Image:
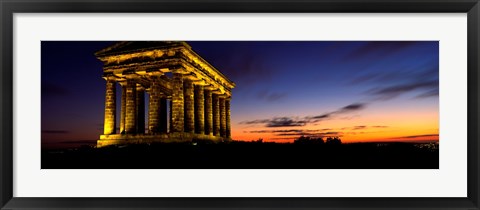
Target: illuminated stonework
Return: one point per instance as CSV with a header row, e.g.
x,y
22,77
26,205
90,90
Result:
x,y
188,98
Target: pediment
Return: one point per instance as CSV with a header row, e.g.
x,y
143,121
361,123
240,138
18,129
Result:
x,y
137,46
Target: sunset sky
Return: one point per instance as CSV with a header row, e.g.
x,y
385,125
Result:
x,y
357,90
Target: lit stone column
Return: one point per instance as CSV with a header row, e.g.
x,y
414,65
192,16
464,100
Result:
x,y
208,112
199,109
163,114
228,132
170,116
223,118
110,107
189,106
216,114
177,103
131,105
154,108
122,109
140,109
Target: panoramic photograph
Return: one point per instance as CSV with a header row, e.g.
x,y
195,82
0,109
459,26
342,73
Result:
x,y
240,104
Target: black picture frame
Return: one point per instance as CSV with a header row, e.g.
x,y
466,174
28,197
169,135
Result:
x,y
9,7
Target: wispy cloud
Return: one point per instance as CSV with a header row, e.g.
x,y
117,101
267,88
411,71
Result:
x,y
283,131
363,127
302,121
379,49
428,94
270,97
379,126
352,107
416,136
300,132
389,92
346,109
320,117
278,122
360,127
310,134
421,79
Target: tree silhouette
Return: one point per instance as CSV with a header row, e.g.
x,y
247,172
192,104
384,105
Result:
x,y
308,140
333,141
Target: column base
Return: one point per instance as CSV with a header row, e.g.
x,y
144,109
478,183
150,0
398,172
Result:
x,y
125,139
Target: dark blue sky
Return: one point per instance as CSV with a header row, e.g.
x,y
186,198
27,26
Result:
x,y
283,89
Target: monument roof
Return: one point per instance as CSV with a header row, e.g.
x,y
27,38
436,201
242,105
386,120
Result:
x,y
129,47
136,46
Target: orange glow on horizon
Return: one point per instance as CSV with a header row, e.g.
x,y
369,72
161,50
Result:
x,y
409,124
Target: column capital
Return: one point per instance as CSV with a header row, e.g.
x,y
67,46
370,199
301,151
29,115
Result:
x,y
155,73
179,71
140,87
201,82
218,91
221,95
192,76
154,76
131,76
209,87
110,78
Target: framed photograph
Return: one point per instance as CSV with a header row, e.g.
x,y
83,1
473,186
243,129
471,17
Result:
x,y
239,105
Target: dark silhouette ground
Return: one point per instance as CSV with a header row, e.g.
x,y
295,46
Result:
x,y
247,155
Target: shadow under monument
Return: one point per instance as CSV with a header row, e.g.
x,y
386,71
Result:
x,y
247,155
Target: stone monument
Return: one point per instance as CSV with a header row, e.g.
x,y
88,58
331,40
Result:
x,y
188,98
